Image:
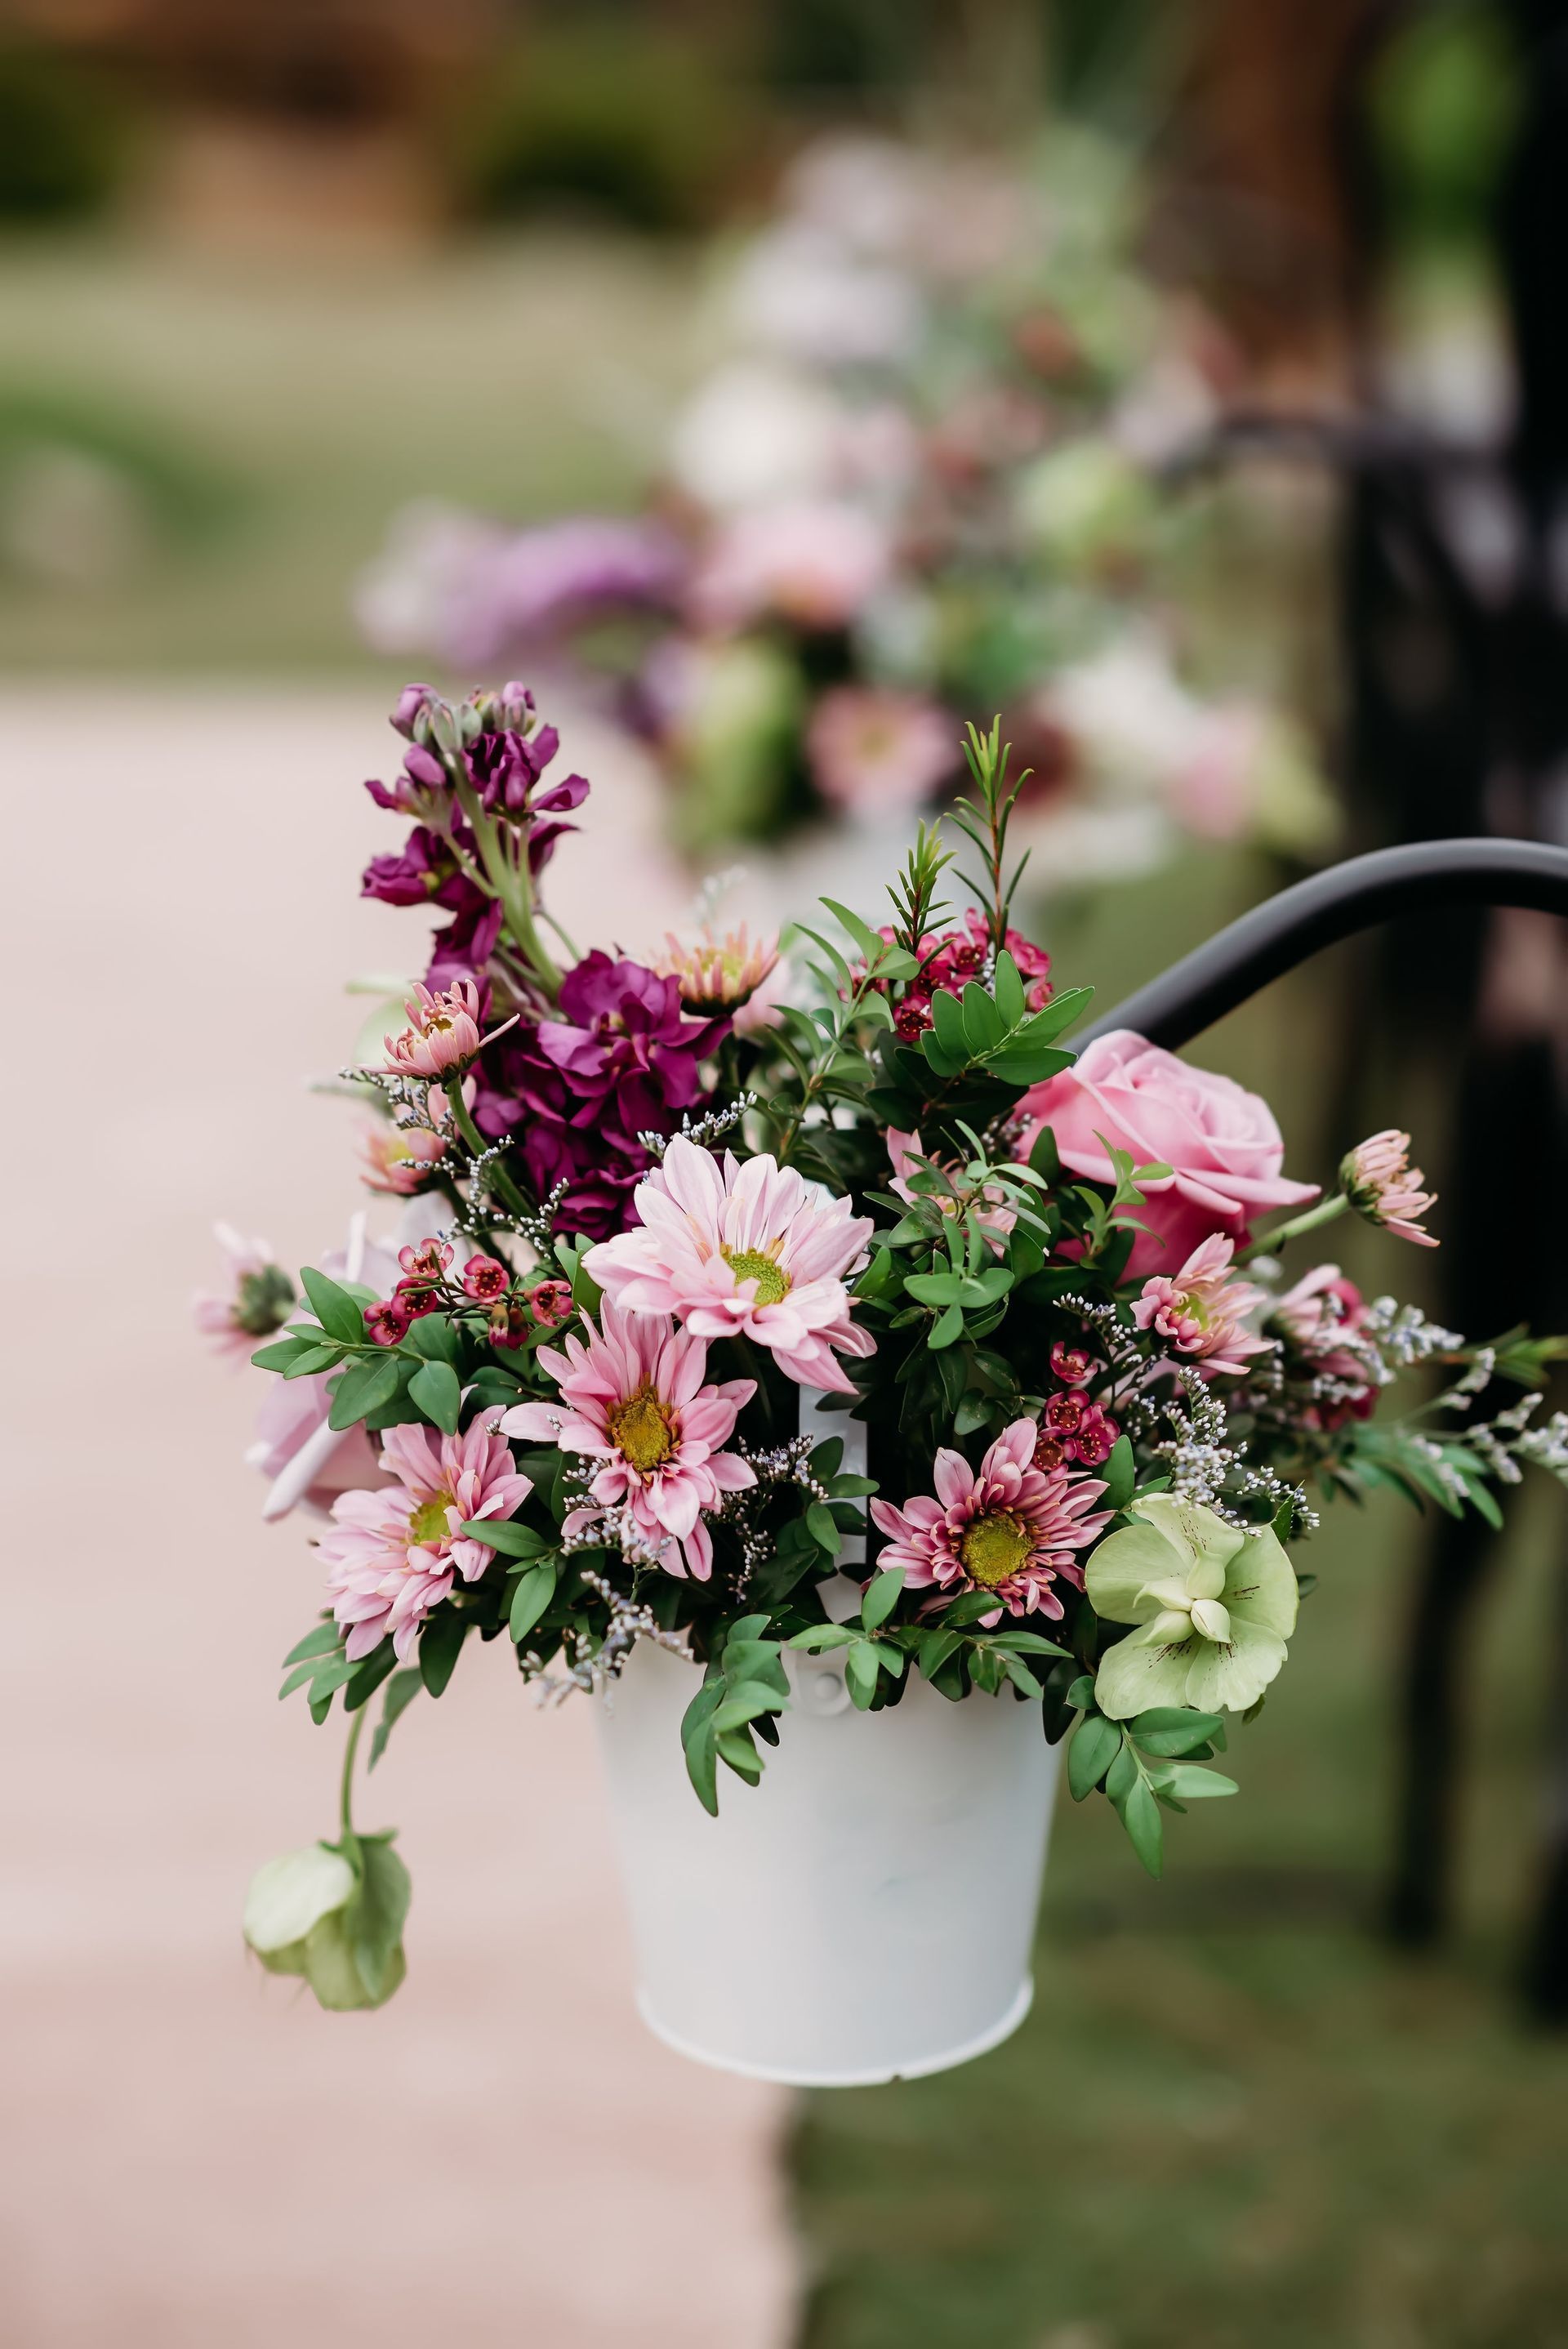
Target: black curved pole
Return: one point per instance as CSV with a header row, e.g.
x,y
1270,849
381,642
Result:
x,y
1284,931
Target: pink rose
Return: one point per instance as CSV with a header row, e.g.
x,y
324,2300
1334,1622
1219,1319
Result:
x,y
1219,1141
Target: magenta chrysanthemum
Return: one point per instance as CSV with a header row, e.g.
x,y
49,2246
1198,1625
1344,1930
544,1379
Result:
x,y
1007,1528
633,1396
748,1250
393,1554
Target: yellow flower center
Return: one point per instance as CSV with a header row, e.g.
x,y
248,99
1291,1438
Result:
x,y
641,1429
994,1548
429,1522
751,1264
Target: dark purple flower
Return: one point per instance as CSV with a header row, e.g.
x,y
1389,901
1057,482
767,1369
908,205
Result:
x,y
622,1059
421,789
464,946
425,873
411,702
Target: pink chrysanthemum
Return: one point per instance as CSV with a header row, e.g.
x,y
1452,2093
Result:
x,y
256,1298
1201,1308
443,1035
1007,1528
398,1159
633,1396
748,1250
1380,1184
393,1554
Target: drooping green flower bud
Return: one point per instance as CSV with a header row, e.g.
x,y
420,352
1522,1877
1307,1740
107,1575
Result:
x,y
1214,1605
334,1916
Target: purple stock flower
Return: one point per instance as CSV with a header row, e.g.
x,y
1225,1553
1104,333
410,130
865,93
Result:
x,y
411,702
424,873
575,1091
504,753
463,947
421,789
507,768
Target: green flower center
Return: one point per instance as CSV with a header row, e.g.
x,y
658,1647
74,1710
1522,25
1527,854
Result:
x,y
641,1429
429,1522
751,1264
994,1548
264,1301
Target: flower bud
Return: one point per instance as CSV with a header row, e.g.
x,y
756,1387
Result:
x,y
290,1895
411,705
306,1914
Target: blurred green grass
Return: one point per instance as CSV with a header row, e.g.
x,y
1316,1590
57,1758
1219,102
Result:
x,y
255,422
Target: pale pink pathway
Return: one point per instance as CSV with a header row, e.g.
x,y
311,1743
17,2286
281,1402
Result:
x,y
191,2156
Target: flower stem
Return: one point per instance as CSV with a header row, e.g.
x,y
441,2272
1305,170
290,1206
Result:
x,y
1325,1211
345,1801
508,880
476,1145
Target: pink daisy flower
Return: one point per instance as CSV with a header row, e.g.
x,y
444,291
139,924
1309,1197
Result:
x,y
1005,1527
750,1251
393,1554
633,1396
1201,1308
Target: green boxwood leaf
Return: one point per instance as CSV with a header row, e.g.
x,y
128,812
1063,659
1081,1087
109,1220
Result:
x,y
1174,1729
1096,1743
861,1673
434,1337
702,1766
440,1644
336,1311
1190,1782
401,1691
435,1391
1120,1472
948,1026
363,1389
319,1643
983,1026
1009,990
533,1596
946,1329
881,1598
368,1674
1140,1817
511,1540
823,1531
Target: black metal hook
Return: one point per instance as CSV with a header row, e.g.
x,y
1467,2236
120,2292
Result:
x,y
1278,935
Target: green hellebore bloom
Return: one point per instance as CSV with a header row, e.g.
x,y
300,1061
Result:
x,y
289,1895
1214,1608
314,1913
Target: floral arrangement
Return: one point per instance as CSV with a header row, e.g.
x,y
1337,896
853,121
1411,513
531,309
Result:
x,y
652,1234
922,475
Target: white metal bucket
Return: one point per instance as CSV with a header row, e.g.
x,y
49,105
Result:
x,y
867,1912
